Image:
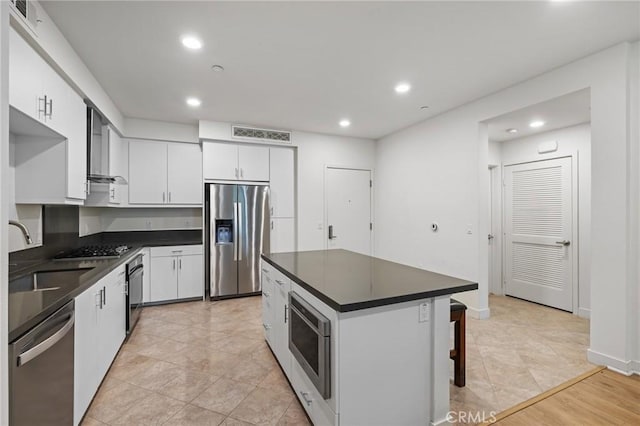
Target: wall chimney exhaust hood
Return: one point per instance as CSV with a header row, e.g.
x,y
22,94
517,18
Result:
x,y
98,151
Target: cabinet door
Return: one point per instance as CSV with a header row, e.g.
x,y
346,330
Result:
x,y
146,281
184,173
147,172
190,279
163,283
86,377
281,287
25,76
57,115
220,161
283,235
112,320
76,133
281,182
267,309
253,162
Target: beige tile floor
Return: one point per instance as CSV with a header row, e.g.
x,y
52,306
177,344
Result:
x,y
206,363
523,350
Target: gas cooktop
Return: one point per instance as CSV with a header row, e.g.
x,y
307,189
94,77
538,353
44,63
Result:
x,y
94,253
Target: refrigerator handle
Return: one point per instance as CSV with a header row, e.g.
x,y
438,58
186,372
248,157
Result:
x,y
235,231
240,230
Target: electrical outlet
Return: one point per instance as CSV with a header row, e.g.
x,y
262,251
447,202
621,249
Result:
x,y
425,312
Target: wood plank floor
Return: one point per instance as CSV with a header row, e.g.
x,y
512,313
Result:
x,y
603,398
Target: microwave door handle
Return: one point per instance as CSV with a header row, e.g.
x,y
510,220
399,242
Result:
x,y
38,350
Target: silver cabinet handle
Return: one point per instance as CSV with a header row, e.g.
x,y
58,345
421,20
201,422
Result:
x,y
169,196
176,251
286,313
265,270
266,326
104,296
174,264
113,193
98,299
34,352
50,108
180,263
44,103
266,294
241,172
564,242
271,211
305,396
280,282
163,197
236,172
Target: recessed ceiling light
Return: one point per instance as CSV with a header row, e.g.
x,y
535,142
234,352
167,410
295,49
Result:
x,y
345,123
217,68
191,42
536,124
193,102
512,130
402,87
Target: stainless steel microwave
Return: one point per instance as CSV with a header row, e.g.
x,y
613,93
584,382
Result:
x,y
310,342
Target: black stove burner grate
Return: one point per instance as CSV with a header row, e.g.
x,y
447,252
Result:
x,y
93,252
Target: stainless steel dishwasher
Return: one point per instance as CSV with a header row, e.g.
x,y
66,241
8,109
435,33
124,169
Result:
x,y
41,372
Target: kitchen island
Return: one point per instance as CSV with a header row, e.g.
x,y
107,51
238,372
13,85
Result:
x,y
362,340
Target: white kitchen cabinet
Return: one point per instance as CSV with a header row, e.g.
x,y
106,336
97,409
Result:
x,y
49,118
283,235
184,173
147,172
281,182
190,280
253,162
176,272
164,277
146,282
225,161
165,173
100,314
275,313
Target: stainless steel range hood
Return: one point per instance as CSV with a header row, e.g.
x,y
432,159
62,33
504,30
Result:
x,y
98,151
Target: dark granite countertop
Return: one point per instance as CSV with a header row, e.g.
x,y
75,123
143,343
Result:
x,y
28,308
348,281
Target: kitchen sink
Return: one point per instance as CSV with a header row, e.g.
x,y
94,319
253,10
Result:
x,y
46,280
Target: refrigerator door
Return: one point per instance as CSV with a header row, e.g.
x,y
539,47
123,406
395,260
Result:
x,y
223,237
253,223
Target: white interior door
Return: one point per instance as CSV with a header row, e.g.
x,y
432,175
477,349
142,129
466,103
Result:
x,y
348,195
538,232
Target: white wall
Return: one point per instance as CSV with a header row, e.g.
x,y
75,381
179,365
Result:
x,y
572,141
634,131
436,170
314,152
28,214
96,219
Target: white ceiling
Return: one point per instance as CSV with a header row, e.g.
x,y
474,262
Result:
x,y
306,65
564,111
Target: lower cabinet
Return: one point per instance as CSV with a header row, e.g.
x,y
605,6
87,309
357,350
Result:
x,y
99,331
275,303
176,273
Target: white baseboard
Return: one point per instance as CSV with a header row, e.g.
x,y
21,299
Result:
x,y
478,313
584,313
613,363
635,367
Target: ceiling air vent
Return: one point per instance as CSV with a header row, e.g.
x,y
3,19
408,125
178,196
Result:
x,y
21,5
251,133
25,10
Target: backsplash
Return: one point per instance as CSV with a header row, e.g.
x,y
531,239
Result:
x,y
94,220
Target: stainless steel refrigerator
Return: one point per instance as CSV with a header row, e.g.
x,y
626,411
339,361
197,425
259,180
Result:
x,y
237,233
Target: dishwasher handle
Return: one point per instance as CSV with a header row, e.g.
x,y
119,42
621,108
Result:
x,y
38,350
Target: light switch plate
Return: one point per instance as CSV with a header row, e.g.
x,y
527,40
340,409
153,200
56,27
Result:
x,y
425,312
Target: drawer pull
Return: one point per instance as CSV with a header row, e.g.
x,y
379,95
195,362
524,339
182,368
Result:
x,y
266,326
305,397
280,282
265,270
266,294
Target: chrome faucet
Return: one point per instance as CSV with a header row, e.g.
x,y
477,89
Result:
x,y
24,229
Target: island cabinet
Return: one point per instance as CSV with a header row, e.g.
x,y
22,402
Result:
x,y
99,332
369,338
275,311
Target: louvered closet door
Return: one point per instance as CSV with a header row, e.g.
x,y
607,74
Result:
x,y
538,232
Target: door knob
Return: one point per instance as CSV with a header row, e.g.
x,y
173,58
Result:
x,y
331,235
564,242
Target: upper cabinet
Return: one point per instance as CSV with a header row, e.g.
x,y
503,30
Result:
x,y
224,161
281,164
48,121
165,173
113,158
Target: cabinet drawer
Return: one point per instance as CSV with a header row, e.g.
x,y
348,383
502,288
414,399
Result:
x,y
176,250
316,407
